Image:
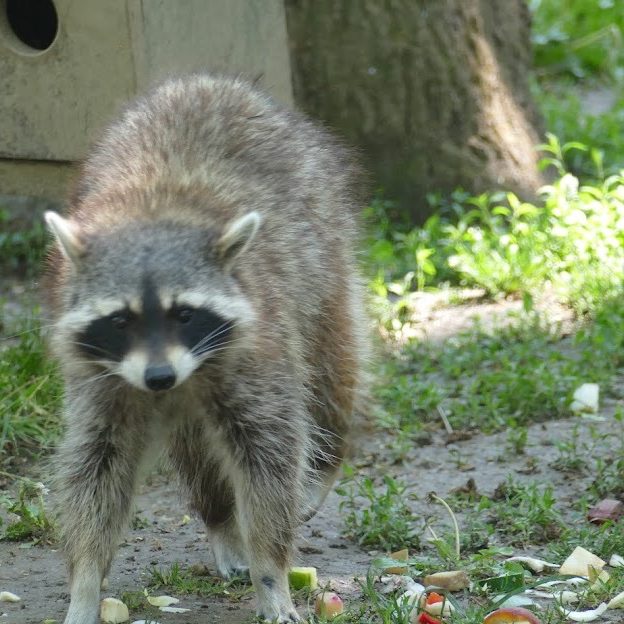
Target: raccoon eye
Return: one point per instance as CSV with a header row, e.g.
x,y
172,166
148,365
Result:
x,y
183,315
120,321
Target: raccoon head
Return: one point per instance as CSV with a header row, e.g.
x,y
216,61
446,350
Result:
x,y
151,302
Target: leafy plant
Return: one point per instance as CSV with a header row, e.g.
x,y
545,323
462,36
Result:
x,y
572,242
580,38
31,521
524,514
377,519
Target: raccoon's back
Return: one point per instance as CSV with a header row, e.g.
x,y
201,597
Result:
x,y
219,145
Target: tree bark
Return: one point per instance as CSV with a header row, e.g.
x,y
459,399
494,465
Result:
x,y
434,92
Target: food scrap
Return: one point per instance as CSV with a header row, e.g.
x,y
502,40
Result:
x,y
454,580
113,611
303,578
581,562
586,398
328,605
162,601
7,596
511,615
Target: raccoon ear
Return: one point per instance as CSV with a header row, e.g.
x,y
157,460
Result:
x,y
237,236
67,235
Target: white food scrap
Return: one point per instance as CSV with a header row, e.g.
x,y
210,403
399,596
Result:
x,y
616,561
580,561
162,601
585,616
537,565
617,602
586,398
7,596
113,611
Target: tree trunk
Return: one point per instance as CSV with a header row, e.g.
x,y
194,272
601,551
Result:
x,y
434,92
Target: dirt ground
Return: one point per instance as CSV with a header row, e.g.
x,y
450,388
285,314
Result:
x,y
38,575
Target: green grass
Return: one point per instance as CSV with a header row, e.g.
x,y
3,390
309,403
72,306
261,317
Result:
x,y
489,379
374,518
523,515
31,392
566,117
598,455
186,581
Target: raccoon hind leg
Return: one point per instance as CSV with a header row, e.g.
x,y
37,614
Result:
x,y
336,360
212,499
215,505
228,550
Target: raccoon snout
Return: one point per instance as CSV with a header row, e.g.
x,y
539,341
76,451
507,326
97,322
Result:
x,y
161,377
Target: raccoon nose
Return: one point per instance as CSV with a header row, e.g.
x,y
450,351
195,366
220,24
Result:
x,y
161,377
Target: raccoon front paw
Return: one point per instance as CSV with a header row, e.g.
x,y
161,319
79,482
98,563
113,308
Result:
x,y
228,559
237,571
282,618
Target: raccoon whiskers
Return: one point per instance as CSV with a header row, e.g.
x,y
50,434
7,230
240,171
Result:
x,y
93,347
210,344
225,327
96,378
208,350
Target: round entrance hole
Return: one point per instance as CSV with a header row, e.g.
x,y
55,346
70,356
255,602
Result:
x,y
34,23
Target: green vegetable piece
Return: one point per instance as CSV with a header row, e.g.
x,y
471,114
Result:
x,y
303,578
502,584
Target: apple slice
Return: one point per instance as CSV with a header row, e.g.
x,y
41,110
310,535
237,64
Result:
x,y
579,563
113,611
511,615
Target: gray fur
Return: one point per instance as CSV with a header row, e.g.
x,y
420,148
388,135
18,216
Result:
x,y
257,433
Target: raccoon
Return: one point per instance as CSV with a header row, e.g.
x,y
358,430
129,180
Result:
x,y
205,302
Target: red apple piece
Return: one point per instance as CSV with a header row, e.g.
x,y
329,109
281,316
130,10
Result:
x,y
511,615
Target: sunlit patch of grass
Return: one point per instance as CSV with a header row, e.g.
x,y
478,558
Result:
x,y
510,376
578,38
